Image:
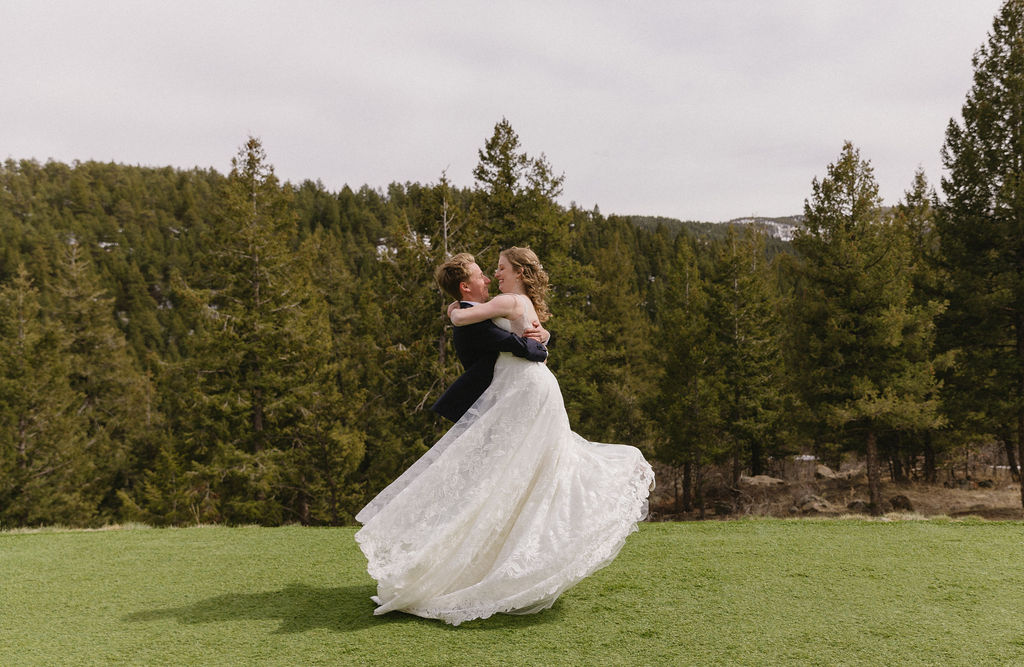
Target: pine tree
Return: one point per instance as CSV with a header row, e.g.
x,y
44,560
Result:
x,y
858,336
500,173
618,360
981,227
687,411
332,474
519,194
574,320
117,398
269,418
914,220
44,458
402,322
743,313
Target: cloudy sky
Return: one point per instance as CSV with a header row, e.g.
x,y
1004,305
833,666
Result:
x,y
693,109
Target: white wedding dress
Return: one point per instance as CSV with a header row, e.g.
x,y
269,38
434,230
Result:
x,y
508,510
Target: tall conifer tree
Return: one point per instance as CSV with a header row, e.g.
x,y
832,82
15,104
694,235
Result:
x,y
45,464
743,317
117,399
687,412
619,363
270,417
858,335
981,226
914,219
519,194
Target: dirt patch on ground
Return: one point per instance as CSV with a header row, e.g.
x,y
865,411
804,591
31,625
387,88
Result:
x,y
817,491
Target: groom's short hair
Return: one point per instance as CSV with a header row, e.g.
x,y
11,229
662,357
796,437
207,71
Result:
x,y
453,272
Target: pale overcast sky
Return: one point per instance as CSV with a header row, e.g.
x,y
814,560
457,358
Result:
x,y
693,109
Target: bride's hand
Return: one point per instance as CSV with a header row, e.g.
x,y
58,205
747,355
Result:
x,y
452,306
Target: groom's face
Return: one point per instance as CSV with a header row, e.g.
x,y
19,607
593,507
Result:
x,y
475,287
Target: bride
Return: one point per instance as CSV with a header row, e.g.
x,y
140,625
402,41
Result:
x,y
510,507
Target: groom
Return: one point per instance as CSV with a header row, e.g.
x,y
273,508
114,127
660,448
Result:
x,y
478,345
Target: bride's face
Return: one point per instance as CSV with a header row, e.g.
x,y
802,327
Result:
x,y
509,280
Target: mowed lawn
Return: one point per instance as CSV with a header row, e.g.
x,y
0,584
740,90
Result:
x,y
742,592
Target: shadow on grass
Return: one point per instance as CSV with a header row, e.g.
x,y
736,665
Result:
x,y
299,608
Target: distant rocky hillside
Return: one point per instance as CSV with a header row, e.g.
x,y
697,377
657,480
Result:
x,y
781,229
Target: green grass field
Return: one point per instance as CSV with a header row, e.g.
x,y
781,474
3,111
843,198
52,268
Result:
x,y
746,592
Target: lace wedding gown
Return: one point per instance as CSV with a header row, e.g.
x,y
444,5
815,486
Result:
x,y
508,510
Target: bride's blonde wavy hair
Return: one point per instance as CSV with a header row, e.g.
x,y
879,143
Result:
x,y
534,277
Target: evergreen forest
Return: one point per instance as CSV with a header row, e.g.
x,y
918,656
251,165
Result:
x,y
184,346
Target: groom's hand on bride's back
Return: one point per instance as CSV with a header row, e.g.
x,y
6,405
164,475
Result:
x,y
538,333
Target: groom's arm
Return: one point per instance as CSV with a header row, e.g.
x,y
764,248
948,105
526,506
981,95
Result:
x,y
492,337
489,336
539,334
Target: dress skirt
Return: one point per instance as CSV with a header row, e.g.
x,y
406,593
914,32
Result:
x,y
506,511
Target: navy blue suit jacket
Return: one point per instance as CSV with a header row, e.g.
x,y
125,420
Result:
x,y
477,346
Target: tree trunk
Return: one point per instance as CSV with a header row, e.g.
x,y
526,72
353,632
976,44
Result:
x,y
676,481
22,443
756,458
1020,451
874,475
303,502
442,336
929,459
257,420
1020,410
1011,459
901,467
699,492
688,486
